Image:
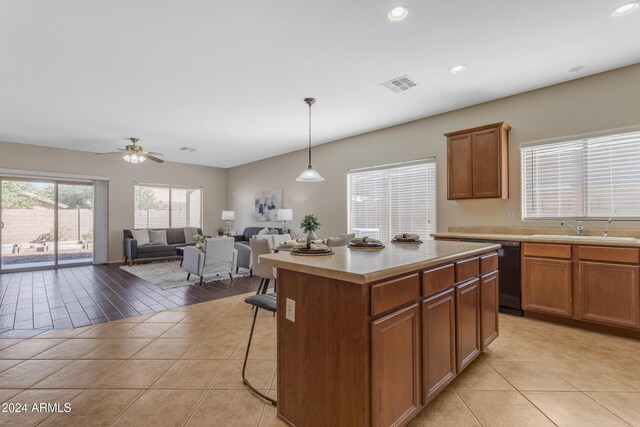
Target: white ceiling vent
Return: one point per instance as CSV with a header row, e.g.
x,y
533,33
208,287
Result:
x,y
400,84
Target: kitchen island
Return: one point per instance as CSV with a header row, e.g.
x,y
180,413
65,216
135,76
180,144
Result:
x,y
370,338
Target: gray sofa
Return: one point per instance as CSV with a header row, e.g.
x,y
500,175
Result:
x,y
133,252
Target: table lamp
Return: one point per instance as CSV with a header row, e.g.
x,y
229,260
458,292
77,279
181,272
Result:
x,y
285,215
228,216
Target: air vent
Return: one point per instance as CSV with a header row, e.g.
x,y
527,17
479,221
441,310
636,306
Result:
x,y
191,150
400,84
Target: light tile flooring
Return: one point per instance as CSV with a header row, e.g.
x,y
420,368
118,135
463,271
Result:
x,y
182,367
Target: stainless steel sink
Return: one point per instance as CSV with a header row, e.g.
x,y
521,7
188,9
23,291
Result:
x,y
583,237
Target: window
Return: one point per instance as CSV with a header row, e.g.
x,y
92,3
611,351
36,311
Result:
x,y
163,207
389,200
590,178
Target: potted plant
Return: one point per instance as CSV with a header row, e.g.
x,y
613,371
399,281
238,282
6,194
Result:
x,y
309,225
199,238
220,231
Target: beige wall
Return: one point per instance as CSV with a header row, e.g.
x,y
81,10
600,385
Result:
x,y
605,101
122,174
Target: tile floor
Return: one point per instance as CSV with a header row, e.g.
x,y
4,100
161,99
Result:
x,y
182,367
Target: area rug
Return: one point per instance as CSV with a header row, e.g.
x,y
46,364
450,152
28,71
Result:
x,y
169,275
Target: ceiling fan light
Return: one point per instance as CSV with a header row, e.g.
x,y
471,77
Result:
x,y
133,158
310,175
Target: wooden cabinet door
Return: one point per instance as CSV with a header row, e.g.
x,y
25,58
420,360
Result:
x,y
467,323
489,305
486,163
546,286
395,367
609,293
459,158
438,343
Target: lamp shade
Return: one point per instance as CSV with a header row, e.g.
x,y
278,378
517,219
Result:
x,y
310,175
285,214
228,215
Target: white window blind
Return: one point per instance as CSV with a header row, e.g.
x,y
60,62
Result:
x,y
391,200
161,207
590,178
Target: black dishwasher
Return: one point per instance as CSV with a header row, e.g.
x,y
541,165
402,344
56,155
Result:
x,y
509,275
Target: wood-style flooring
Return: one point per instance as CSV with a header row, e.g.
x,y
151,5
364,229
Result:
x,y
80,296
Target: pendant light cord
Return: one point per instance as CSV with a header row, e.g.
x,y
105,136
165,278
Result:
x,y
310,135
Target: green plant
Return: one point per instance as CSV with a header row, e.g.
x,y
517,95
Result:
x,y
310,223
220,231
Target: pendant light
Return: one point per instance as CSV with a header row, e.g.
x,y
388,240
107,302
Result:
x,y
310,174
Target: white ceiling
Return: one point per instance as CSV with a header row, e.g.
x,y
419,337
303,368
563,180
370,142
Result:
x,y
228,78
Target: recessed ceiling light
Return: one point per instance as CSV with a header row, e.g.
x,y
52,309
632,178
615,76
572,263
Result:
x,y
625,9
398,13
457,69
577,68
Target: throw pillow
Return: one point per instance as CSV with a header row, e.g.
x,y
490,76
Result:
x,y
347,236
333,242
158,237
263,231
279,239
142,236
273,231
189,232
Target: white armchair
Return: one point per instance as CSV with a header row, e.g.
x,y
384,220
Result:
x,y
217,256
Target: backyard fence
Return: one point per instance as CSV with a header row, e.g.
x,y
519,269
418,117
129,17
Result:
x,y
25,225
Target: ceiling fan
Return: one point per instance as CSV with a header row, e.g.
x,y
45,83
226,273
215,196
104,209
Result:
x,y
134,153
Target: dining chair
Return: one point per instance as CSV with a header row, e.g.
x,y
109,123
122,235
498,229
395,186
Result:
x,y
264,272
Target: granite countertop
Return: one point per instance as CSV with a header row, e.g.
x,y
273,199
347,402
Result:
x,y
529,238
369,266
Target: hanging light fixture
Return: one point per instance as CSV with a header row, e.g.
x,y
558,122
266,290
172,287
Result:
x,y
310,174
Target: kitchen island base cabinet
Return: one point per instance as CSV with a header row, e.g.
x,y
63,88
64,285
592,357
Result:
x,y
489,307
439,343
395,367
360,346
467,323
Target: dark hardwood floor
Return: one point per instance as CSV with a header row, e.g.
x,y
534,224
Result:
x,y
80,296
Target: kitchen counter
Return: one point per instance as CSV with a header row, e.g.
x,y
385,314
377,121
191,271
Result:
x,y
363,267
370,338
528,238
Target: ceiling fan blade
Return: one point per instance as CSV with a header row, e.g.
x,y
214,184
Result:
x,y
150,157
154,153
113,152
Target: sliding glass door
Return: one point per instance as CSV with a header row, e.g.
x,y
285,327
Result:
x,y
45,224
75,223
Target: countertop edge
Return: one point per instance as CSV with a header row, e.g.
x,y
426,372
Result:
x,y
368,278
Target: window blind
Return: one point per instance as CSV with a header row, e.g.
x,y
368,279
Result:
x,y
391,200
590,178
161,207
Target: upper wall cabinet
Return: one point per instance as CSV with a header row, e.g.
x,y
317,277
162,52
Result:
x,y
478,162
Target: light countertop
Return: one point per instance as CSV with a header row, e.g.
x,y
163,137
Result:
x,y
369,266
527,238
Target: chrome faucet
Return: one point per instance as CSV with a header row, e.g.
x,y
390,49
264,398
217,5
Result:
x,y
579,229
606,230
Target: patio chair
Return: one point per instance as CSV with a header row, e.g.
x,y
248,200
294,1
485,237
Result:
x,y
216,257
